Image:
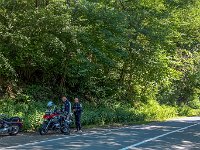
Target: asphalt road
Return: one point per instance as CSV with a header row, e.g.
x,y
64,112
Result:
x,y
181,134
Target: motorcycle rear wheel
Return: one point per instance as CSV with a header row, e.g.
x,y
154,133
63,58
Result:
x,y
14,130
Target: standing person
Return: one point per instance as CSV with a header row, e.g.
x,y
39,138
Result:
x,y
77,109
67,105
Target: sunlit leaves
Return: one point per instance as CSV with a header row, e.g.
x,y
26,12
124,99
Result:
x,y
117,48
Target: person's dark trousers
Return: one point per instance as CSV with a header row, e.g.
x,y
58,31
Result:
x,y
78,121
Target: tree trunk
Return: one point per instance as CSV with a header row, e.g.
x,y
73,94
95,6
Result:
x,y
36,3
47,2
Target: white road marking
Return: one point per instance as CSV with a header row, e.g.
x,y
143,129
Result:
x,y
92,133
154,138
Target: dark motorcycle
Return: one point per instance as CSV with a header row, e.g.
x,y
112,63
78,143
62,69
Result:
x,y
10,126
55,121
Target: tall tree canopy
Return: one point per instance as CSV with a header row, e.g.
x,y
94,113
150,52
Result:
x,y
127,50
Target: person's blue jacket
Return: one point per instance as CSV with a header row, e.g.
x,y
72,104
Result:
x,y
67,106
78,108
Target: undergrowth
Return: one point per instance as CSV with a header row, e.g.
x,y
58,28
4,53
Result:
x,y
31,112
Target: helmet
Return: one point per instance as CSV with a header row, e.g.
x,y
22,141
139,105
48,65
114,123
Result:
x,y
50,104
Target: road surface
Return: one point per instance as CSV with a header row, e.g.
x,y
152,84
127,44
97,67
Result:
x,y
183,134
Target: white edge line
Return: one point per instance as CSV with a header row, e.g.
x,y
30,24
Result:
x,y
104,130
154,138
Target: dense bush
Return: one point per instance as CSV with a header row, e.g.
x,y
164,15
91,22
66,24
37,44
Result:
x,y
32,113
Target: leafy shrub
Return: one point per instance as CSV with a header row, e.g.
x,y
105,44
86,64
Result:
x,y
194,102
154,111
32,112
39,93
185,110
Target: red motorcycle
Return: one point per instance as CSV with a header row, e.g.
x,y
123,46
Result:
x,y
55,121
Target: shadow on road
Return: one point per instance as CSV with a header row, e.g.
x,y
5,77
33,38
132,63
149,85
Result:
x,y
122,137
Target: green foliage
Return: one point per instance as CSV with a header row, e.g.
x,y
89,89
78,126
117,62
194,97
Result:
x,y
39,93
133,52
32,113
185,110
194,101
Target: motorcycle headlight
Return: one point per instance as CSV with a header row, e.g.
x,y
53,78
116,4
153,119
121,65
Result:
x,y
45,119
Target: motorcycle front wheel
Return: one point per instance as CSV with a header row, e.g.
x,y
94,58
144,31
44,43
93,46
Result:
x,y
65,129
43,130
